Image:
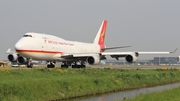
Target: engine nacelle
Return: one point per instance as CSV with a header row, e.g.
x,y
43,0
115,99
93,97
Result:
x,y
22,60
131,57
12,57
93,59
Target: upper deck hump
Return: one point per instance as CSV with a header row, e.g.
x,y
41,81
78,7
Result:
x,y
47,36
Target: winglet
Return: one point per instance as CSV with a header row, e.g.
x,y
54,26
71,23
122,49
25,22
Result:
x,y
174,50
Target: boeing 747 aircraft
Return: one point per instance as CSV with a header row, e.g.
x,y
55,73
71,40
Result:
x,y
36,46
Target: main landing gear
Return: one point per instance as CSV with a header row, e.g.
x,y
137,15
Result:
x,y
65,64
79,64
51,64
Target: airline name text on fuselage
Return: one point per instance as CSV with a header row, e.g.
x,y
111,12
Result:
x,y
58,43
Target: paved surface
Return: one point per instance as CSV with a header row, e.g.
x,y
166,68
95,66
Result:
x,y
110,66
136,66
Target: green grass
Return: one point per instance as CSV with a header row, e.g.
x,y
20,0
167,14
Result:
x,y
48,84
168,95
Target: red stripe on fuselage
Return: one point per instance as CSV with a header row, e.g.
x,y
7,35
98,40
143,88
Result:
x,y
38,51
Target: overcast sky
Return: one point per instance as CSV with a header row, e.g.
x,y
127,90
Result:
x,y
146,25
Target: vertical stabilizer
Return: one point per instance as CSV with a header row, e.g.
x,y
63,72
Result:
x,y
99,39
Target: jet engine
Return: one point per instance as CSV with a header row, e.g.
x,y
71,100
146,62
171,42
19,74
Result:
x,y
132,57
12,57
22,60
93,59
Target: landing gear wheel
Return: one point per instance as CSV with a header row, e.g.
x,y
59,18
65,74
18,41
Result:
x,y
30,65
65,64
78,66
83,66
51,64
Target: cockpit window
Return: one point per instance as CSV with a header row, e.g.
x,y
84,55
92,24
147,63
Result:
x,y
27,36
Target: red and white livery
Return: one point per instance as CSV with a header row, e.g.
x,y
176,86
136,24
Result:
x,y
36,46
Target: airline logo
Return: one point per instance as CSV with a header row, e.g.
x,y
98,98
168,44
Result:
x,y
102,35
102,38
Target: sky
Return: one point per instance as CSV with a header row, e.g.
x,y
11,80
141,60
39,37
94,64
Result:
x,y
145,25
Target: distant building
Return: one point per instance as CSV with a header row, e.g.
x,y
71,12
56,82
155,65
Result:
x,y
155,61
166,60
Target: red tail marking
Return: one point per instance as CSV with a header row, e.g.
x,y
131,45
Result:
x,y
102,35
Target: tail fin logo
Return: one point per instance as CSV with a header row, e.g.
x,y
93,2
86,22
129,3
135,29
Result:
x,y
102,38
102,35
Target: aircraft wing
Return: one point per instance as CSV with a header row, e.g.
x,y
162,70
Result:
x,y
103,54
158,52
76,55
123,54
119,54
129,56
114,47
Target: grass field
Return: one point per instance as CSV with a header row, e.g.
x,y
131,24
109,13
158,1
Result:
x,y
50,84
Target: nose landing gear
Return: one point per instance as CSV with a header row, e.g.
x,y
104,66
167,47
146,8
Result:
x,y
29,63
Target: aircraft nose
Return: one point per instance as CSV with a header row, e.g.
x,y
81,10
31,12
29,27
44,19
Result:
x,y
18,46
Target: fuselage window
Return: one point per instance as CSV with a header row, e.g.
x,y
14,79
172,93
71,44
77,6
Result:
x,y
27,36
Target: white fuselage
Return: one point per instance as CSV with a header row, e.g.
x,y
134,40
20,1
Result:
x,y
48,47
